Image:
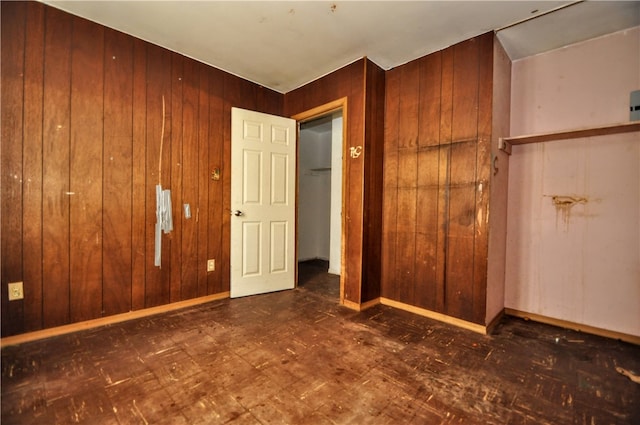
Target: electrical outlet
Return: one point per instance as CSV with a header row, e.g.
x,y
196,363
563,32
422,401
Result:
x,y
15,291
211,265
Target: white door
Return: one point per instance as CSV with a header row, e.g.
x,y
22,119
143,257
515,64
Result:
x,y
263,165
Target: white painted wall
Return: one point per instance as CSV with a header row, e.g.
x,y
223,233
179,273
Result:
x,y
320,195
578,263
335,248
314,195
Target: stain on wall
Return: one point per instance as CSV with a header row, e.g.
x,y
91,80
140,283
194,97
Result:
x,y
563,205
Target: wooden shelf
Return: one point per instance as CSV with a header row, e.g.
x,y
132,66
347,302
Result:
x,y
505,143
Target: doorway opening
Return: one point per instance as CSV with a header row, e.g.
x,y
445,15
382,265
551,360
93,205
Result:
x,y
319,201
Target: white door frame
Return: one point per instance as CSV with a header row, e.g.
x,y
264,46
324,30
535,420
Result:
x,y
310,115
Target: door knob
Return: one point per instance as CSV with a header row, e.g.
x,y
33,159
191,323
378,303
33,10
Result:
x,y
238,213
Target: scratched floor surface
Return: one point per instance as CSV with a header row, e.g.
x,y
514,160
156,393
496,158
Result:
x,y
296,357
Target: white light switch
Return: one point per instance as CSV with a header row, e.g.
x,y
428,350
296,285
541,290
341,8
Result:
x,y
187,211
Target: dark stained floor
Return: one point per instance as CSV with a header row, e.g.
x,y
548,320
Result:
x,y
297,357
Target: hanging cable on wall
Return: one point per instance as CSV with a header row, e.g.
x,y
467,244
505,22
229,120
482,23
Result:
x,y
164,216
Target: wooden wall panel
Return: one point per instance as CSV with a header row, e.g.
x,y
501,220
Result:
x,y
158,170
444,176
190,161
353,188
139,199
460,244
85,170
427,248
436,112
81,148
460,239
118,175
177,74
55,167
408,129
204,148
216,206
430,99
426,233
373,182
464,124
438,180
12,68
390,186
484,174
32,168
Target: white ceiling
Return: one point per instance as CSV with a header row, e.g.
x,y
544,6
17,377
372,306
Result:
x,y
283,45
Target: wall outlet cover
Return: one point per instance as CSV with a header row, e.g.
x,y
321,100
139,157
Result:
x,y
16,291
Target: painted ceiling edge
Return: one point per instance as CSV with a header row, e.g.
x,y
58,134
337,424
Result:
x,y
532,17
624,30
325,74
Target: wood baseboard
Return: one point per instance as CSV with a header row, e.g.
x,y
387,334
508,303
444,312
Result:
x,y
633,339
360,307
109,320
436,316
369,304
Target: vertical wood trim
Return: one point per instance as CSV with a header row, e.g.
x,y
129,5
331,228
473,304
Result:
x,y
12,68
138,183
32,167
86,170
118,175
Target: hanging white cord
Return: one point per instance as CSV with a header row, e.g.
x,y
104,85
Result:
x,y
164,219
161,145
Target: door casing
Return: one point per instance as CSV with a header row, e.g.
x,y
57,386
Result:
x,y
310,115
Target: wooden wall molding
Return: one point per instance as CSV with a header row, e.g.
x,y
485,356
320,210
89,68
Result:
x,y
109,320
484,330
